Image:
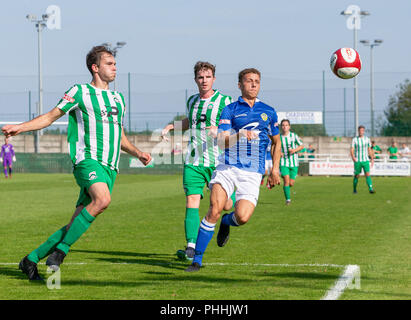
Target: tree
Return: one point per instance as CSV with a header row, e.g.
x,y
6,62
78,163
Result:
x,y
398,114
309,129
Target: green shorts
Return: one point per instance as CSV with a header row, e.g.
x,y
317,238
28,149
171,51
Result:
x,y
289,171
358,166
195,178
88,172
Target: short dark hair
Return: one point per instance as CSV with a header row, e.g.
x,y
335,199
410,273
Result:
x,y
94,56
242,73
284,120
200,65
361,126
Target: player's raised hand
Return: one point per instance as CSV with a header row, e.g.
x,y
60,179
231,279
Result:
x,y
11,130
165,131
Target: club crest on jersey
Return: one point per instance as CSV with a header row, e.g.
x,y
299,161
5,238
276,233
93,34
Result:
x,y
92,175
68,98
210,106
264,116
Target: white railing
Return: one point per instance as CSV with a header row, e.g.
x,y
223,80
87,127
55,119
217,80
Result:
x,y
333,157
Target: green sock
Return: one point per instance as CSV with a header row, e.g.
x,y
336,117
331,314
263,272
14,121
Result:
x,y
355,182
287,192
80,225
47,247
369,182
233,199
192,224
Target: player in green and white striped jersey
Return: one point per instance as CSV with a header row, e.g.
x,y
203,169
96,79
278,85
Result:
x,y
361,153
291,144
203,114
95,136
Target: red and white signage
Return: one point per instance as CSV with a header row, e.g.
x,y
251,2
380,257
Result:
x,y
324,168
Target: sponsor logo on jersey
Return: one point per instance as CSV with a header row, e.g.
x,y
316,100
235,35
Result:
x,y
68,98
92,175
250,126
264,116
202,118
241,115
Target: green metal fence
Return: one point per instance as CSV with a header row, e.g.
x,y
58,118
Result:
x,y
61,163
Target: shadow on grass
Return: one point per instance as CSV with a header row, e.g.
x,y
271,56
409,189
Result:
x,y
127,257
14,272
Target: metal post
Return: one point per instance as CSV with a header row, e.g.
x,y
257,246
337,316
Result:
x,y
29,105
371,91
129,104
345,112
39,26
356,122
324,100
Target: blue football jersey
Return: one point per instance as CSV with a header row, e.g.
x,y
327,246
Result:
x,y
261,118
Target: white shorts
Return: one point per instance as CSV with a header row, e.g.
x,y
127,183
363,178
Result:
x,y
247,184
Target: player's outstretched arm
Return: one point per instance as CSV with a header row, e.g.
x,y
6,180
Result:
x,y
37,123
132,150
274,177
169,127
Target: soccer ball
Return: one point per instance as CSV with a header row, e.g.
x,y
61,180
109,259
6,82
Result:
x,y
345,63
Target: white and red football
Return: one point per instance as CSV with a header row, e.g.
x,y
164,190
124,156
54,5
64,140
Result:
x,y
345,63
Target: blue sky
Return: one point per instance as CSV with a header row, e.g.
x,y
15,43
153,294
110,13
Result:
x,y
167,37
291,39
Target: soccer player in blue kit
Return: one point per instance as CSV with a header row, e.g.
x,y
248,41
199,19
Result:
x,y
245,129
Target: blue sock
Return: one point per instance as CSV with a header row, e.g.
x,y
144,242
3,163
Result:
x,y
230,220
205,233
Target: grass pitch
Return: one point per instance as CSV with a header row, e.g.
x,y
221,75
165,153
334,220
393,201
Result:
x,y
294,252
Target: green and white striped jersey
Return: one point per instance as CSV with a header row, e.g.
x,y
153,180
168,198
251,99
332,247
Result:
x,y
201,113
361,146
95,124
291,141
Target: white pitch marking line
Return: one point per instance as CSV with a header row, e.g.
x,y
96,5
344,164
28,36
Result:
x,y
351,272
343,282
206,264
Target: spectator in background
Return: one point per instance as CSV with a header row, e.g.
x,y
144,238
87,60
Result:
x,y
302,155
376,148
310,151
7,157
404,151
393,151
